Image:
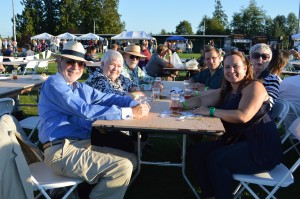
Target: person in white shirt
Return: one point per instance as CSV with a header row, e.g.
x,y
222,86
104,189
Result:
x,y
288,90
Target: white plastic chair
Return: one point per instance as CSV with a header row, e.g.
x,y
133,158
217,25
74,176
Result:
x,y
43,65
48,54
278,177
31,123
36,56
44,54
30,65
279,111
43,178
6,106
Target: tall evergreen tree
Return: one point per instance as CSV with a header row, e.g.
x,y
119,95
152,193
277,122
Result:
x,y
69,16
219,14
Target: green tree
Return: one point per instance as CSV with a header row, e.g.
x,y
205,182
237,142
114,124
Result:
x,y
110,19
210,26
30,21
202,26
250,21
279,23
292,24
163,32
51,16
70,18
74,16
184,28
219,14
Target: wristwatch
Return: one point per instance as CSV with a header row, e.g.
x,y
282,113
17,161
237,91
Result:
x,y
212,111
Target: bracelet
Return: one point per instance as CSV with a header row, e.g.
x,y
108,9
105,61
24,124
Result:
x,y
134,95
184,104
206,88
196,93
212,111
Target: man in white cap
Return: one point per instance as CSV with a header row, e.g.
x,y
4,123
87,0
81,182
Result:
x,y
67,109
131,70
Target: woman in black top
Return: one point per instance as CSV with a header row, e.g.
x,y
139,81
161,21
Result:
x,y
251,143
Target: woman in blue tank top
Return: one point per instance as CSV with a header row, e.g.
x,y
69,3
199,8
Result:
x,y
251,143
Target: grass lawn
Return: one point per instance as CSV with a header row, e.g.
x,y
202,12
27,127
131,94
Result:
x,y
157,182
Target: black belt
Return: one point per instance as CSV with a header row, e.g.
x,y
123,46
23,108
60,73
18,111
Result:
x,y
58,141
53,143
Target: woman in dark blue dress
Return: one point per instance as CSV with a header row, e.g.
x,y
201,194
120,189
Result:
x,y
251,143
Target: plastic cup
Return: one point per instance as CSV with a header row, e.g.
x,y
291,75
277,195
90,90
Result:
x,y
155,94
175,102
14,74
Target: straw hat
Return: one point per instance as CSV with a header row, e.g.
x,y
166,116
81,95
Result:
x,y
73,50
133,49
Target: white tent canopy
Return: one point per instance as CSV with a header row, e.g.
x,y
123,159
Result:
x,y
132,35
67,36
42,36
90,36
296,36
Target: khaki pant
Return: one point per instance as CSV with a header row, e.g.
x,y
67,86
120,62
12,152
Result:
x,y
110,169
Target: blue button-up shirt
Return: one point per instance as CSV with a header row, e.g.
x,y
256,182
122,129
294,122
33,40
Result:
x,y
68,111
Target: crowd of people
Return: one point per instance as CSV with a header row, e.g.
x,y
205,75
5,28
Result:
x,y
239,90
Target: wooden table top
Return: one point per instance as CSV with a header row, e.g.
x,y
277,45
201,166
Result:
x,y
153,122
23,84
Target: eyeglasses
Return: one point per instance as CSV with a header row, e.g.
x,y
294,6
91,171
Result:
x,y
72,62
132,57
264,56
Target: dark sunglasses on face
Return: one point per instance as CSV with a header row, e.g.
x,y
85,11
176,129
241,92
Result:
x,y
264,56
72,62
132,57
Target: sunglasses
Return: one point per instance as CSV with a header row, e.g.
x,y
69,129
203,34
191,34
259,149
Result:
x,y
72,62
264,56
132,57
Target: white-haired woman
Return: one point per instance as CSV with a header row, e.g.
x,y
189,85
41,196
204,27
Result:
x,y
260,58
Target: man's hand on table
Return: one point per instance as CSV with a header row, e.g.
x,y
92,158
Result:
x,y
198,86
140,110
158,85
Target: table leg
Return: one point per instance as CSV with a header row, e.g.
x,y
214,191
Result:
x,y
138,169
183,167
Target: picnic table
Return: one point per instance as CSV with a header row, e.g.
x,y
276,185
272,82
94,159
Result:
x,y
153,123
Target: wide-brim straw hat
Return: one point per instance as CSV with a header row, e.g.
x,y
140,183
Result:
x,y
73,50
133,49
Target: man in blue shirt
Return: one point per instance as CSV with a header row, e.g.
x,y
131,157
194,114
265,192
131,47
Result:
x,y
212,76
67,109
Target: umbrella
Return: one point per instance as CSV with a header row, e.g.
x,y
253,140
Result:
x,y
67,36
42,36
89,36
176,38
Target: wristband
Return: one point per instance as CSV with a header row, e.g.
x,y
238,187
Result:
x,y
212,111
206,88
184,104
196,93
134,95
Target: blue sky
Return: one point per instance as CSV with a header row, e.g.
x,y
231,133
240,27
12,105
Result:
x,y
154,15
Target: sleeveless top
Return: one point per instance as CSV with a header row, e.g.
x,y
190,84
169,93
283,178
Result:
x,y
260,133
